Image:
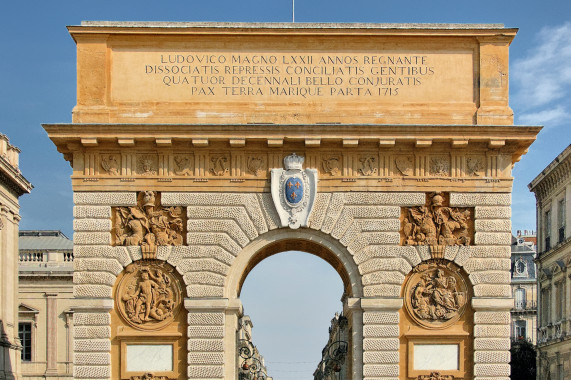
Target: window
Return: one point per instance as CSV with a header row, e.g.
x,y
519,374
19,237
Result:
x,y
561,219
545,307
520,329
547,230
559,299
520,268
520,298
25,335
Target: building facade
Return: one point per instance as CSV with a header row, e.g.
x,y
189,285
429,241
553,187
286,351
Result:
x,y
552,188
12,186
46,305
524,287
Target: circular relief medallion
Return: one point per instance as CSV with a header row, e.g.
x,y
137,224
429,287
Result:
x,y
435,295
148,295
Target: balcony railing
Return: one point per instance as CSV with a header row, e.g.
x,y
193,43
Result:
x,y
525,305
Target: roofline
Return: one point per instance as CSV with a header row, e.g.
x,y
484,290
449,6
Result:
x,y
549,168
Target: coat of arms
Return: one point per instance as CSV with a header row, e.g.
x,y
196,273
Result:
x,y
293,191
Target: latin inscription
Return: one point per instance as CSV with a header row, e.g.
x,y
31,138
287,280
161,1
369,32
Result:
x,y
392,76
291,75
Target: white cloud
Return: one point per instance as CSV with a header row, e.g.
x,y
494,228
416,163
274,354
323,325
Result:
x,y
550,116
542,80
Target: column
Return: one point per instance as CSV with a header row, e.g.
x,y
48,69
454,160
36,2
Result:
x,y
51,325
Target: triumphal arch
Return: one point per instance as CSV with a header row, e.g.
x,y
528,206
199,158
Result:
x,y
198,150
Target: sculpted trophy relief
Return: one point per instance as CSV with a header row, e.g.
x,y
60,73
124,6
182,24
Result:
x,y
148,295
436,294
148,225
436,224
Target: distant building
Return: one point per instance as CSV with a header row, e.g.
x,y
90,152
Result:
x,y
251,365
552,188
333,364
524,287
45,305
12,186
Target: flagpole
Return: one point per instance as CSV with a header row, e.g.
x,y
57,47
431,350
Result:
x,y
292,11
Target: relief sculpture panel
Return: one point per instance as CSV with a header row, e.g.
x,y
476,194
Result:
x,y
148,295
436,224
148,224
436,294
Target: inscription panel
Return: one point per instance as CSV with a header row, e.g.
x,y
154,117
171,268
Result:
x,y
188,74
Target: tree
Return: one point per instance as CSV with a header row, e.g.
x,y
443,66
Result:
x,y
523,360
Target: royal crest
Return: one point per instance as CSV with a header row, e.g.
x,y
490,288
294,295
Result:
x,y
293,191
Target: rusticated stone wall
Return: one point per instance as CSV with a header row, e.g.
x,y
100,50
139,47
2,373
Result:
x,y
223,227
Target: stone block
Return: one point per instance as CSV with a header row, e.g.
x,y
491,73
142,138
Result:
x,y
385,198
491,331
333,212
381,344
376,278
319,209
92,212
480,199
98,278
491,357
489,251
373,238
105,198
491,370
492,238
269,210
492,212
476,265
380,331
492,344
380,370
492,290
387,265
380,318
91,319
202,265
92,225
92,332
100,358
380,357
98,265
202,291
205,319
215,239
205,372
229,227
92,238
491,317
91,372
195,358
493,225
92,345
209,332
121,254
384,290
206,345
203,278
92,291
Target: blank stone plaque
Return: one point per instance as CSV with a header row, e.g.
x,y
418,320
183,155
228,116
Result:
x,y
149,357
436,357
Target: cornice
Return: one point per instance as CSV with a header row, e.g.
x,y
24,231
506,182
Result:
x,y
556,173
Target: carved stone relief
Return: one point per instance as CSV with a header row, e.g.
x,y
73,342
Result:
x,y
149,376
255,165
147,164
436,294
332,165
368,165
110,164
148,295
405,165
437,224
440,166
148,224
219,165
182,165
474,166
435,376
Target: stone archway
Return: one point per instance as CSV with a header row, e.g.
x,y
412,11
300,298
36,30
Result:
x,y
327,248
206,156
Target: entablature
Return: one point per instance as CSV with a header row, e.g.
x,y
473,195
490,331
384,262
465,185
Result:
x,y
239,157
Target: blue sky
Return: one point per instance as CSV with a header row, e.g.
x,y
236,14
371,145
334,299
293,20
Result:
x,y
37,85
